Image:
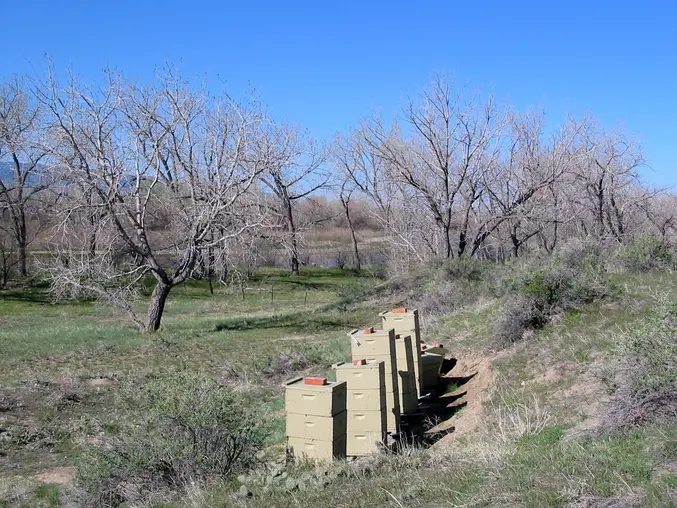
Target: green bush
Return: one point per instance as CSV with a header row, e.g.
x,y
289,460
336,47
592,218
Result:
x,y
541,288
648,253
185,430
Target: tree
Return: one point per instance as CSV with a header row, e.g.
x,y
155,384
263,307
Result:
x,y
294,173
22,158
451,143
166,163
606,176
345,195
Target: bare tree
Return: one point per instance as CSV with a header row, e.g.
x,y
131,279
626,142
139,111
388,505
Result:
x,y
606,175
166,163
22,156
294,173
345,195
452,142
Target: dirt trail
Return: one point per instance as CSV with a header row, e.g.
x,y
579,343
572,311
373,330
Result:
x,y
58,475
475,376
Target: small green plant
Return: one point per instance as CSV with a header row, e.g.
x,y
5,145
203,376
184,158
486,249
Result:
x,y
187,430
648,253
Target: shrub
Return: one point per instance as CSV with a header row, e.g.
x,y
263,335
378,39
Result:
x,y
646,373
465,268
648,253
185,430
542,288
517,316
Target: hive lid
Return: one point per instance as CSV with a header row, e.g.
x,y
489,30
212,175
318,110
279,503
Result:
x,y
298,383
366,365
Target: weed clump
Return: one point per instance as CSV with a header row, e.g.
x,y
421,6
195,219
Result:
x,y
648,253
185,430
542,288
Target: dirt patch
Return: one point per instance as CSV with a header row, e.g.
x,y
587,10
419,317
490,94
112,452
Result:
x,y
58,475
100,382
472,395
589,395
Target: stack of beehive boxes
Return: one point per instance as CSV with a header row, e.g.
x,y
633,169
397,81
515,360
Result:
x,y
406,376
365,404
379,346
316,418
405,322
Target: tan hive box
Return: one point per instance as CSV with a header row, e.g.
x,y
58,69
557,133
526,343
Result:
x,y
316,448
325,400
406,323
363,443
366,387
366,400
385,343
378,342
367,421
370,376
323,428
431,365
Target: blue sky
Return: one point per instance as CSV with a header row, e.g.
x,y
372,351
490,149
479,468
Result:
x,y
327,64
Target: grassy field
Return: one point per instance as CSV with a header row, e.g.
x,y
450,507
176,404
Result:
x,y
532,434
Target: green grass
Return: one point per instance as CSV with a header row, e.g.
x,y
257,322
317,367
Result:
x,y
49,353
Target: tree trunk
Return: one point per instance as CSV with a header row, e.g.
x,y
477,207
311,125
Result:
x,y
358,264
22,242
157,306
515,243
292,240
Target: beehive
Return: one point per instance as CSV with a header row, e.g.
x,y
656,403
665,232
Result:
x,y
407,379
366,404
379,346
405,322
316,418
430,369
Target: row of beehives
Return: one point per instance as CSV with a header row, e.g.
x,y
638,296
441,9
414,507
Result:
x,y
353,416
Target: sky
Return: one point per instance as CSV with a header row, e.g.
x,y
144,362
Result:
x,y
326,64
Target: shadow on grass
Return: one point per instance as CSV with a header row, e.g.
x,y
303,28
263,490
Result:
x,y
24,295
302,321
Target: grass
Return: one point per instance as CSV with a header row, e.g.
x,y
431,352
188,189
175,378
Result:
x,y
527,450
49,353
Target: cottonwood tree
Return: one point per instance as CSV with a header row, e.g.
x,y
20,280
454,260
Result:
x,y
295,171
606,176
435,160
22,173
166,163
345,196
360,163
524,186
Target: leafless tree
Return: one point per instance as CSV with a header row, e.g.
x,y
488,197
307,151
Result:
x,y
345,196
606,174
294,173
166,163
22,157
